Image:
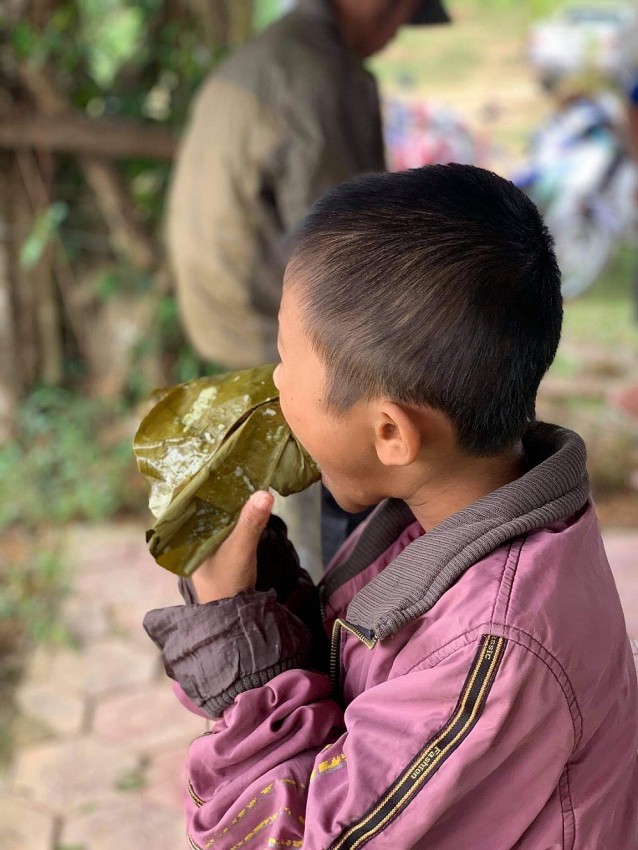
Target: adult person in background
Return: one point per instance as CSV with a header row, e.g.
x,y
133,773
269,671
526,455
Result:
x,y
287,116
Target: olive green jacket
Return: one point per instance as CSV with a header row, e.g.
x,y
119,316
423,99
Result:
x,y
290,114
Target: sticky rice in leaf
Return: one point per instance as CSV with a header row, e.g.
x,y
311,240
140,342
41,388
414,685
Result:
x,y
204,448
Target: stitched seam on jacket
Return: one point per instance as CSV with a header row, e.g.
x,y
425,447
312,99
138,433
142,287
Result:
x,y
567,803
504,574
577,732
470,634
191,842
514,574
571,697
468,637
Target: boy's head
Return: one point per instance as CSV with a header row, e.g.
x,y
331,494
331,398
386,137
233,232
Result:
x,y
430,290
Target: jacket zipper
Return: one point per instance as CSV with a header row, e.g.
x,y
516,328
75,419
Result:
x,y
322,602
366,637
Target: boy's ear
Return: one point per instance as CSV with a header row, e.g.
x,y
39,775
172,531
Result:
x,y
397,435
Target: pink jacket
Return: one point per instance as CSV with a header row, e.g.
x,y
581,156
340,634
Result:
x,y
482,693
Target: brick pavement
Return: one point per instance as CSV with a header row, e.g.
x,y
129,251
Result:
x,y
104,771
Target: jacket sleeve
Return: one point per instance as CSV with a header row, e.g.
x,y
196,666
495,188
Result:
x,y
216,651
464,753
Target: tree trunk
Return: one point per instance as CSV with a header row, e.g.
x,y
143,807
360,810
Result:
x,y
122,218
10,375
21,222
47,316
112,196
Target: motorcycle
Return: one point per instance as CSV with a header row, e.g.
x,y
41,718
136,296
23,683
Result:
x,y
419,132
582,179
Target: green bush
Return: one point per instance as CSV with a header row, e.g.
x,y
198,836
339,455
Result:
x,y
64,466
30,591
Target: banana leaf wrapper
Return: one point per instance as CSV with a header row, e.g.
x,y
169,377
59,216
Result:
x,y
204,448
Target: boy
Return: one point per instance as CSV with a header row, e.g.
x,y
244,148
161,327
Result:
x,y
481,692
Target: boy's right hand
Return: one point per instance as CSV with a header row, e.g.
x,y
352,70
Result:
x,y
233,567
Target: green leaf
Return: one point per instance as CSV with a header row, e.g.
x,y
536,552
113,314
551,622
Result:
x,y
108,285
113,33
24,39
204,448
267,11
43,231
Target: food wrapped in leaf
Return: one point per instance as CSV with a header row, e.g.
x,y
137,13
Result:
x,y
204,448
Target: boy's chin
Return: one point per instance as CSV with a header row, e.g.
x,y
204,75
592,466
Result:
x,y
345,502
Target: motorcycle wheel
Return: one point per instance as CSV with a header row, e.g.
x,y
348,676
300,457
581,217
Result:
x,y
583,248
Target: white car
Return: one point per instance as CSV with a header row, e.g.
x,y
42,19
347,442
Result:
x,y
582,37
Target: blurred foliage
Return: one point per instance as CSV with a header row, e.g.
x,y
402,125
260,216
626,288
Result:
x,y
71,459
599,350
44,230
115,57
34,578
267,11
140,60
143,60
54,472
530,8
30,594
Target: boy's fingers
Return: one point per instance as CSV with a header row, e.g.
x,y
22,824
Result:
x,y
232,568
254,516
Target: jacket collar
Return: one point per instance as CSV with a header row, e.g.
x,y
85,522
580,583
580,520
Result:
x,y
554,488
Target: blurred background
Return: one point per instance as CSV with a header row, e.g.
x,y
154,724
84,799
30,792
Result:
x,y
94,95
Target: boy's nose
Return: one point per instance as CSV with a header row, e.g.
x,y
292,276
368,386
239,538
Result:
x,y
274,375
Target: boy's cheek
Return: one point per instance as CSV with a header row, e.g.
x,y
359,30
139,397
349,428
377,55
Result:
x,y
275,377
288,414
294,424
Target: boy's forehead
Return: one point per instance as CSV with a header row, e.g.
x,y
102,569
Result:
x,y
293,336
290,306
289,320
293,275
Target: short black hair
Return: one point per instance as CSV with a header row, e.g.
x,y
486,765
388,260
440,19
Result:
x,y
433,286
